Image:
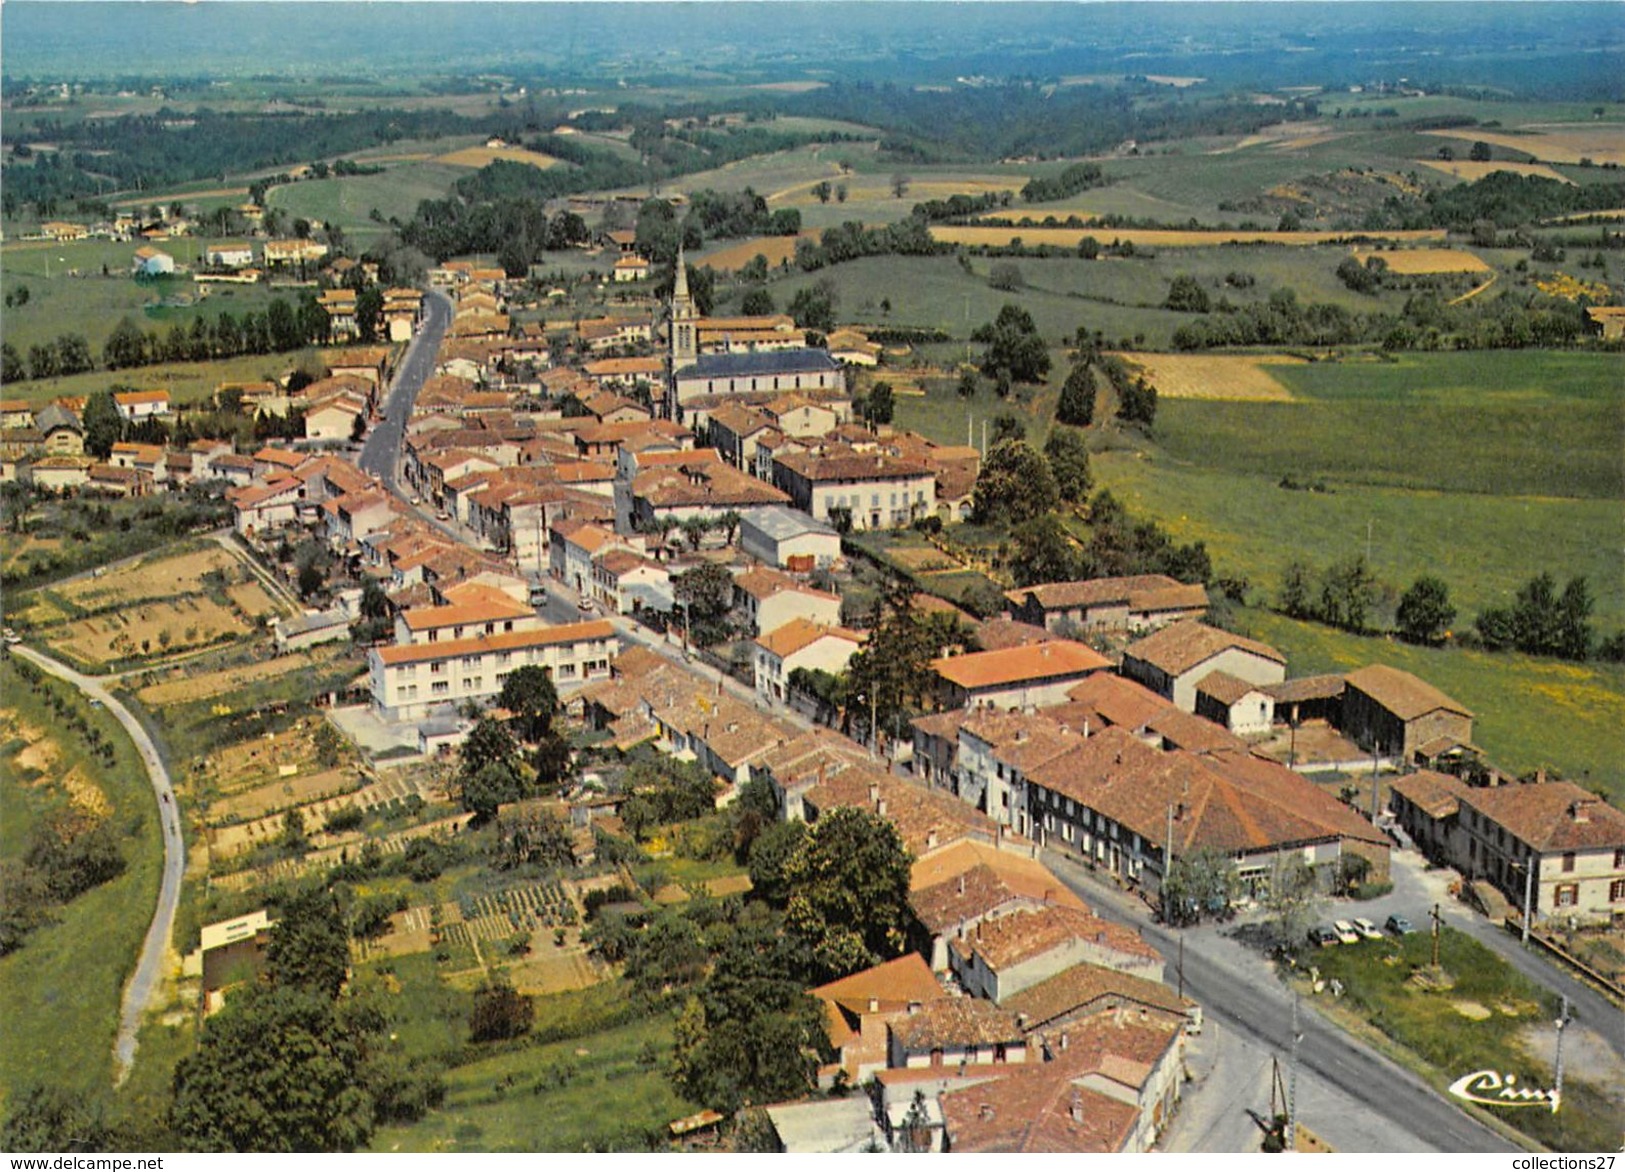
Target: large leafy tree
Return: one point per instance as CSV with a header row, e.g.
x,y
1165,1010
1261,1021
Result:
x,y
1042,551
275,1071
750,1034
103,425
891,677
310,944
1068,458
1014,485
1077,403
528,693
1425,612
849,881
1014,348
706,595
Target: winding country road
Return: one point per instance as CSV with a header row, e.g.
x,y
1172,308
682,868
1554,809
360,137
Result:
x,y
149,969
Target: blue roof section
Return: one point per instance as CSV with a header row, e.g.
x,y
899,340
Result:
x,y
743,364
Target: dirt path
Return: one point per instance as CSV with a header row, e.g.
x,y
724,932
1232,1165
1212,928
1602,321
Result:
x,y
1471,293
149,969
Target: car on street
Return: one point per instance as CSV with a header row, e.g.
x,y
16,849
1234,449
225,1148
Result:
x,y
1366,929
1400,925
1322,936
1345,932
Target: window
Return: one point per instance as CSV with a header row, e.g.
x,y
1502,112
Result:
x,y
436,668
1567,895
1619,858
439,688
468,684
1568,861
1616,891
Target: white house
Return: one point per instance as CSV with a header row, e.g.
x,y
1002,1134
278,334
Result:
x,y
1174,660
770,599
139,405
801,644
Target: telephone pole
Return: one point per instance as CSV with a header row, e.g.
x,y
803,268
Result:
x,y
1292,1083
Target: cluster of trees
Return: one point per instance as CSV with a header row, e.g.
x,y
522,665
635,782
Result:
x,y
1018,119
666,791
493,768
960,206
1079,177
68,852
1342,596
1015,351
705,596
1044,549
1542,621
731,214
280,328
890,680
852,239
65,354
1362,278
168,147
287,1066
484,215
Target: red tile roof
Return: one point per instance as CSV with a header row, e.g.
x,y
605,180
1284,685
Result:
x,y
1181,646
991,669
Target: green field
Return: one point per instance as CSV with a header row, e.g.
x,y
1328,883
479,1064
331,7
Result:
x,y
1433,1026
60,992
187,382
1528,712
600,1092
349,201
1526,423
1484,547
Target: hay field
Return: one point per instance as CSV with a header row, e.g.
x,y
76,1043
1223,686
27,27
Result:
x,y
1470,170
1237,378
252,598
776,249
1427,260
1602,142
1152,237
481,156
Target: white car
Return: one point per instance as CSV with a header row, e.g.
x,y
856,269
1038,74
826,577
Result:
x,y
1345,932
1367,929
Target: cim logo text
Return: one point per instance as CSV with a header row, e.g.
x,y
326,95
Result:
x,y
1494,1089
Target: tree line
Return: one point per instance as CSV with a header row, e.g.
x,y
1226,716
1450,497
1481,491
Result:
x,y
1541,620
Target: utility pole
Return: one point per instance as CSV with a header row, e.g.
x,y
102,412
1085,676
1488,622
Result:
x,y
1368,541
1376,783
1528,896
1438,921
1292,1083
1181,966
1562,1020
1167,860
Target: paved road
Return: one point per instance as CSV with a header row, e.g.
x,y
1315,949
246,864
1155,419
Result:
x,y
1240,992
144,981
380,454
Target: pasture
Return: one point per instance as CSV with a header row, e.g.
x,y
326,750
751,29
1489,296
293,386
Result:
x,y
187,382
61,990
1511,423
1484,547
350,200
988,237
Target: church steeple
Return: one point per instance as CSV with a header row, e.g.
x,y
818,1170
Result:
x,y
684,335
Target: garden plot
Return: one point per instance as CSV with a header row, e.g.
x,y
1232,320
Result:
x,y
152,628
277,796
184,688
252,599
249,764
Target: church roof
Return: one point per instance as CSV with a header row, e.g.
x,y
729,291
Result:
x,y
746,363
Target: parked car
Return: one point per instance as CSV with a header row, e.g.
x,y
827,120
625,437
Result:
x,y
1322,936
1345,932
1367,929
1399,925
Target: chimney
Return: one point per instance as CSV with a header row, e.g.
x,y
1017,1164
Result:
x,y
1086,728
874,792
913,1008
880,807
962,883
1077,1110
931,840
987,1111
1580,811
1063,1041
874,1005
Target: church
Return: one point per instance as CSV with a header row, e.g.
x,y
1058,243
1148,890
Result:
x,y
730,370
